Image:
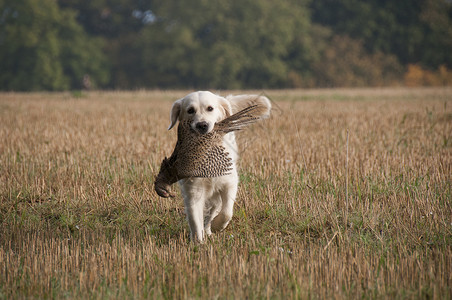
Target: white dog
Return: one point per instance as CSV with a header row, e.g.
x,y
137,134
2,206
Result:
x,y
209,202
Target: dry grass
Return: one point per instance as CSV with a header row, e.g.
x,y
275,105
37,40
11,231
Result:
x,y
79,218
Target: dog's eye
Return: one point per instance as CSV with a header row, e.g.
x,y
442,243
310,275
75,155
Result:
x,y
209,108
191,110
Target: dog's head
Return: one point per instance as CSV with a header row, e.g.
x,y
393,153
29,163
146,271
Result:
x,y
202,109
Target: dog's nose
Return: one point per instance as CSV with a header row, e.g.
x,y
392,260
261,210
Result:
x,y
202,127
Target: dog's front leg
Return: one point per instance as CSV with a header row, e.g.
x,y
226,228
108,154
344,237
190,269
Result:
x,y
195,214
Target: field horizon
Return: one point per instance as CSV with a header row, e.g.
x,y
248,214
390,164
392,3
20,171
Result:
x,y
343,193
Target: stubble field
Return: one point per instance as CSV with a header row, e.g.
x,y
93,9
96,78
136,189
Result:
x,y
343,194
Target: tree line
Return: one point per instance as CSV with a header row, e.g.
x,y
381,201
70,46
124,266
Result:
x,y
213,44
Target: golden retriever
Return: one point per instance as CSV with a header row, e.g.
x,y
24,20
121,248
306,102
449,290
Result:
x,y
209,202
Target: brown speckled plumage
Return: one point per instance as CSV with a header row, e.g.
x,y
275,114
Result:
x,y
200,155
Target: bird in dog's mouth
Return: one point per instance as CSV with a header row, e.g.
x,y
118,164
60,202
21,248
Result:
x,y
199,153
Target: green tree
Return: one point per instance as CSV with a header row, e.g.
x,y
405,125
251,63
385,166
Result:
x,y
110,18
436,16
222,44
43,48
415,31
119,24
339,61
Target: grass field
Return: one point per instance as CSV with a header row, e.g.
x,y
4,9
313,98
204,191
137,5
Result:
x,y
343,194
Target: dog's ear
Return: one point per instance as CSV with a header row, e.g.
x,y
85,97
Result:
x,y
175,112
226,106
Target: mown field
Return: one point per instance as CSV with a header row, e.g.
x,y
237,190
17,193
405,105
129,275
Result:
x,y
343,194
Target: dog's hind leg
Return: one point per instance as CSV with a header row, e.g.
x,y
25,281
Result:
x,y
213,206
227,207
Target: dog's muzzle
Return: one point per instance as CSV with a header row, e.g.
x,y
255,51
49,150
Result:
x,y
202,127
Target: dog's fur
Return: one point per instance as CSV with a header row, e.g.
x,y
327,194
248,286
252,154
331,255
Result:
x,y
209,202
